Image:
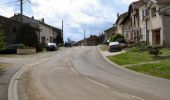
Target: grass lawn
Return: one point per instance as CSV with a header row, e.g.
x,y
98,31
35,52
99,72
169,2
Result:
x,y
161,69
104,47
134,56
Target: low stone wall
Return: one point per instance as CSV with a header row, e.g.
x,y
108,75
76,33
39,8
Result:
x,y
26,51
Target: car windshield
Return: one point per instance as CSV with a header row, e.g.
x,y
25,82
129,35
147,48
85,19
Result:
x,y
113,43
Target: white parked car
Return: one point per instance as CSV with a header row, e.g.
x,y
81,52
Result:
x,y
114,46
52,47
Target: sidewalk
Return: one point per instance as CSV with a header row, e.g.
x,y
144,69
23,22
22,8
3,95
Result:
x,y
107,53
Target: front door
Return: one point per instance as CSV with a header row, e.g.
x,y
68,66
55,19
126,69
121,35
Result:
x,y
43,40
157,33
156,39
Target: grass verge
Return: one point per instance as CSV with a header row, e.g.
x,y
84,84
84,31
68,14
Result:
x,y
134,56
161,69
104,47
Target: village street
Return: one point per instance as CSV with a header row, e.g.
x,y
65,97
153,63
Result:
x,y
80,73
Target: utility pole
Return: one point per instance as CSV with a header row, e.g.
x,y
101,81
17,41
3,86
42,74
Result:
x,y
84,38
62,32
21,10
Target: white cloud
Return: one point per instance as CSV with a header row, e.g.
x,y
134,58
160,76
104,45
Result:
x,y
6,10
128,1
77,14
72,8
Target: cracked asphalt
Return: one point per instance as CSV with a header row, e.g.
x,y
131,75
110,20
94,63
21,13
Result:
x,y
80,73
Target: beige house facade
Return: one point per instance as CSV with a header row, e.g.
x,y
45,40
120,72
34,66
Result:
x,y
155,22
46,34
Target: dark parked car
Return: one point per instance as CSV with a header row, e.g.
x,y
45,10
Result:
x,y
67,44
11,49
114,46
51,47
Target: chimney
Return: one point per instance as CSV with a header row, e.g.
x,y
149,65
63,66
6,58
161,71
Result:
x,y
32,17
117,15
42,20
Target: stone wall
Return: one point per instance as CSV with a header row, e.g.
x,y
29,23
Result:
x,y
26,51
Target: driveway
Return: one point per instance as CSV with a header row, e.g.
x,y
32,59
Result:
x,y
80,73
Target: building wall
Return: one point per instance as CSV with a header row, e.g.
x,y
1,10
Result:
x,y
126,29
45,32
109,33
10,29
154,24
142,23
120,29
166,27
134,19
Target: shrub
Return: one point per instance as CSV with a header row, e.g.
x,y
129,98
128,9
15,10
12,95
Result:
x,y
141,44
155,50
39,47
116,37
106,42
22,46
2,37
121,40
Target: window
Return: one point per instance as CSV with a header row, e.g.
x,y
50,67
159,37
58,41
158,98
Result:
x,y
43,40
153,12
143,14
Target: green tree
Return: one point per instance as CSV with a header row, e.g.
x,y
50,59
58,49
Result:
x,y
116,37
2,37
58,40
27,36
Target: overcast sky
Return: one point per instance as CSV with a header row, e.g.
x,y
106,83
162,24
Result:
x,y
94,16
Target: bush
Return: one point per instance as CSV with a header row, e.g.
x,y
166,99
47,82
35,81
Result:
x,y
106,42
121,40
2,37
39,47
116,37
22,46
141,44
155,50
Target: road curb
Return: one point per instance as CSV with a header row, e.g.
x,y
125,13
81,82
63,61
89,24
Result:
x,y
131,71
12,89
13,85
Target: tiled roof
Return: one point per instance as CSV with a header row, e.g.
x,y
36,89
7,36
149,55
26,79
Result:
x,y
122,16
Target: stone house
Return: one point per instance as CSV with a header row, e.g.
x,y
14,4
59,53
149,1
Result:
x,y
9,28
155,21
93,40
46,33
126,28
133,13
109,33
119,26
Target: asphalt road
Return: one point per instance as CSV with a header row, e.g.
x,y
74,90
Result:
x,y
16,62
81,73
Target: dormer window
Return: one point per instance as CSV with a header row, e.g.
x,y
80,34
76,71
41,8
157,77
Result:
x,y
153,12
